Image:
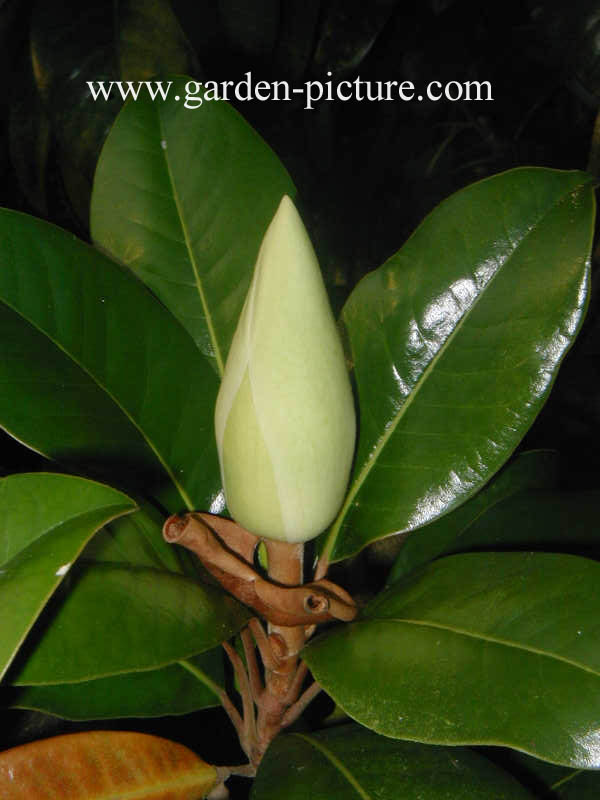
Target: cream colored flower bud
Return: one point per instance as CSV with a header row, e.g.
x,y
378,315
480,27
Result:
x,y
285,422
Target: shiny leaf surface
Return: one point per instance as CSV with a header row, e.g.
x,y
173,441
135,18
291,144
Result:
x,y
45,522
183,196
466,528
103,765
155,693
456,341
91,366
484,648
350,762
117,619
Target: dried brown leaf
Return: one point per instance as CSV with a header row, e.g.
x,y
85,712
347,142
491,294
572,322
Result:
x,y
104,765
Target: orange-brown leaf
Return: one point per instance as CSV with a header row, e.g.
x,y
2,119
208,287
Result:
x,y
104,765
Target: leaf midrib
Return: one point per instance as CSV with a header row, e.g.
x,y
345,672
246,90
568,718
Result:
x,y
335,762
482,637
198,282
128,509
390,429
571,776
201,676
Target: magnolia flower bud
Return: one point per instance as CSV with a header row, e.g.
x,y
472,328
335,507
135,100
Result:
x,y
284,420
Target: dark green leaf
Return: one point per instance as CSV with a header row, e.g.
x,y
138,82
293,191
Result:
x,y
578,785
456,341
117,619
139,542
95,371
455,532
135,540
550,520
550,782
544,520
171,690
350,762
45,521
484,648
183,196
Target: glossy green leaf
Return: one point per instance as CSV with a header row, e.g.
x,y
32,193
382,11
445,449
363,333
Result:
x,y
45,521
117,619
350,762
171,690
483,648
96,371
183,196
456,341
135,540
467,526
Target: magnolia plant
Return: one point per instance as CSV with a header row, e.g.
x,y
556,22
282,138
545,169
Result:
x,y
235,447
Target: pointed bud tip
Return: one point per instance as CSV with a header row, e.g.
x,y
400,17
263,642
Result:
x,y
287,224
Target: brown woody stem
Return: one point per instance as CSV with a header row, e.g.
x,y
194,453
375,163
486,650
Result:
x,y
249,723
245,770
291,608
232,713
285,565
294,711
253,670
297,682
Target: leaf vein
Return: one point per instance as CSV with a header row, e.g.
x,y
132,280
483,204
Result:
x,y
188,243
487,638
334,760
